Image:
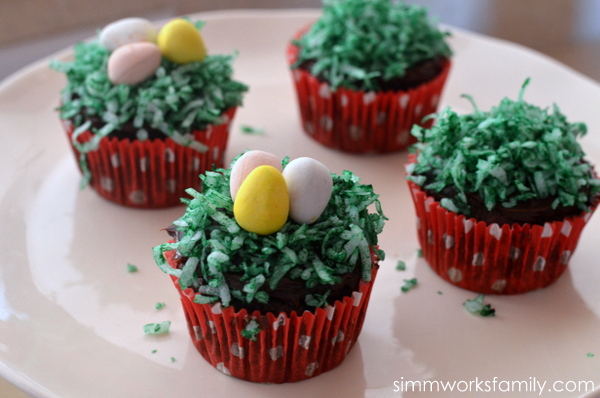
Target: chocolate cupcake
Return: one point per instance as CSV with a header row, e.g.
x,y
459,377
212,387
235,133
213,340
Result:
x,y
282,302
366,72
501,196
144,114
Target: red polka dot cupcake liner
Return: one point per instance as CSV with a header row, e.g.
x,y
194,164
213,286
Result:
x,y
492,258
363,121
288,348
152,173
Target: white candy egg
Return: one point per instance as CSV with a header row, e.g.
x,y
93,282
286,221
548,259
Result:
x,y
309,185
133,63
127,31
246,163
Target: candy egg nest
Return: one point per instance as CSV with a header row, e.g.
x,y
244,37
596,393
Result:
x,y
122,86
176,99
213,246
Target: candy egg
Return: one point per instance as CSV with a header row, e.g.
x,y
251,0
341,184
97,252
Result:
x,y
248,162
133,63
262,203
309,184
180,42
127,31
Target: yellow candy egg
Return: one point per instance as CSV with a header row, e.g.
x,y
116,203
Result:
x,y
180,42
262,203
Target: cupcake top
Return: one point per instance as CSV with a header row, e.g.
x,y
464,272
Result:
x,y
137,82
516,158
362,44
312,258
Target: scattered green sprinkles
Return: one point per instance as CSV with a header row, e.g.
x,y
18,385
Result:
x,y
477,307
420,253
246,129
176,100
154,351
172,359
357,42
401,265
590,355
157,328
251,330
159,306
440,292
513,153
131,268
319,254
409,284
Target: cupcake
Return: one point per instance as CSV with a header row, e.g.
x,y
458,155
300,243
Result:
x,y
146,110
275,269
367,71
502,196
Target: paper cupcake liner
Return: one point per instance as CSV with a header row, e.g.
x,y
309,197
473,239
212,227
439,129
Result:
x,y
360,121
288,348
152,173
492,258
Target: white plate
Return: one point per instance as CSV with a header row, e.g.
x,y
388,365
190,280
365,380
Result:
x,y
71,315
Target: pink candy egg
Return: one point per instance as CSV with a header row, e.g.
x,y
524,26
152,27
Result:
x,y
133,63
248,162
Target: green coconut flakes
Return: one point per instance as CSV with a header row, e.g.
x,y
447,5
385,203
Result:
x,y
319,254
514,152
357,42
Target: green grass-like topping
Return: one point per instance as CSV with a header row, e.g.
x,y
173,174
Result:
x,y
175,100
515,152
357,42
320,253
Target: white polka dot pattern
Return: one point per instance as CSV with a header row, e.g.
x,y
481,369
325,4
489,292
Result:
x,y
236,350
496,231
565,256
107,184
514,253
381,116
455,275
356,296
304,341
169,155
153,173
137,197
198,333
114,160
369,98
327,123
310,369
325,91
355,133
547,232
222,368
338,339
489,258
144,164
280,321
540,263
499,285
566,228
478,259
276,352
403,101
